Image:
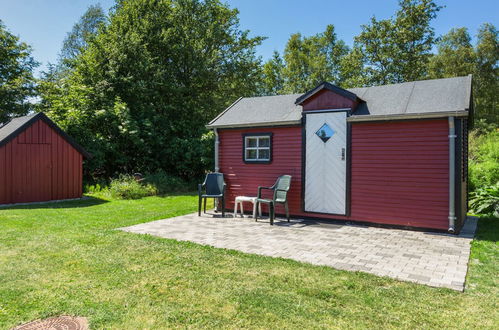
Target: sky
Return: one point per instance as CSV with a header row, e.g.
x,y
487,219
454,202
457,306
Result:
x,y
44,23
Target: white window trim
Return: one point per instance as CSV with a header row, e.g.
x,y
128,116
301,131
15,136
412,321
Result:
x,y
257,148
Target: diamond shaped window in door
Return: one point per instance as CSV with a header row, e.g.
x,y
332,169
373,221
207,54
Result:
x,y
325,132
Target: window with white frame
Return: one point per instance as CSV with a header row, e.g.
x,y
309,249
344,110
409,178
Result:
x,y
258,148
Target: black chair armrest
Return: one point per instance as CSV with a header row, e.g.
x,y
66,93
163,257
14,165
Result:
x,y
260,190
200,187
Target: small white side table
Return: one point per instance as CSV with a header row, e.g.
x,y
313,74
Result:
x,y
240,199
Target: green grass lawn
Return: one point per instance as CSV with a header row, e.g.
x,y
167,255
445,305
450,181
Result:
x,y
67,258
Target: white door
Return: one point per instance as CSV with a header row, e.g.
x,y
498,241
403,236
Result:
x,y
325,162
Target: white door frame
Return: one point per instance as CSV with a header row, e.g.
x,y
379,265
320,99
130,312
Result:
x,y
347,160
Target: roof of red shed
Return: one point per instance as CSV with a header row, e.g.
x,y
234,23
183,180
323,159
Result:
x,y
424,98
16,126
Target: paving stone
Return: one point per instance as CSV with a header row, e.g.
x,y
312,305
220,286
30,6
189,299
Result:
x,y
420,277
414,256
385,255
427,258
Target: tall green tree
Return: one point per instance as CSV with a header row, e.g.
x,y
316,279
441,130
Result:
x,y
144,88
486,87
17,84
273,78
353,72
312,60
81,34
306,62
398,49
56,80
455,55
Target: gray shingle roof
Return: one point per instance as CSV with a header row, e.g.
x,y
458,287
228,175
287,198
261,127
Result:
x,y
10,127
417,97
263,110
410,98
16,126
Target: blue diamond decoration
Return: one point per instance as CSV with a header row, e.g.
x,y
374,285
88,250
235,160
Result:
x,y
325,132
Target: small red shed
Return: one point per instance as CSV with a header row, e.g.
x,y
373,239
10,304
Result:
x,y
38,161
393,155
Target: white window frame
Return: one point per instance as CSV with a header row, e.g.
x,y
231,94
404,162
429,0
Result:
x,y
258,148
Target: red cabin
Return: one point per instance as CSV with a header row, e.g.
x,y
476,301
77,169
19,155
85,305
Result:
x,y
38,161
393,155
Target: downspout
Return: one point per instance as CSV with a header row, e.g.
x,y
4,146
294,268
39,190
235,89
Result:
x,y
452,175
217,167
217,143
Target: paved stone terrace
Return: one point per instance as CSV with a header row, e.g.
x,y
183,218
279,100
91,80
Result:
x,y
433,259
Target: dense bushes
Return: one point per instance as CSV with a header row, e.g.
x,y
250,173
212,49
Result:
x,y
485,200
128,187
165,183
484,171
483,159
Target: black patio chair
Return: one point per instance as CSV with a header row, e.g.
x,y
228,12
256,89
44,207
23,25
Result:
x,y
280,196
214,187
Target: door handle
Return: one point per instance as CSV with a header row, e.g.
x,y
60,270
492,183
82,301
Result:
x,y
342,153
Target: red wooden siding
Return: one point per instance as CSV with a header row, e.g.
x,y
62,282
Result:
x,y
244,179
399,171
326,99
39,165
